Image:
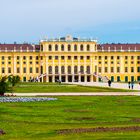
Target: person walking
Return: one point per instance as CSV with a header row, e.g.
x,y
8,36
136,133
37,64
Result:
x,y
129,84
109,83
132,85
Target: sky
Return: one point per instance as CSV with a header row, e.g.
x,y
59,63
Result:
x,y
108,21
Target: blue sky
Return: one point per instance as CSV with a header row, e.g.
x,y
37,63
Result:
x,y
105,20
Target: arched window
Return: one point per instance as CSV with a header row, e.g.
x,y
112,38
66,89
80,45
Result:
x,y
69,69
82,69
75,47
88,69
81,47
88,47
62,47
50,47
41,47
56,47
50,70
75,69
62,70
56,69
69,47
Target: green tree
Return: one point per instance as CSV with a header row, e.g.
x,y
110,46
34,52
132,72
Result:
x,y
4,85
13,80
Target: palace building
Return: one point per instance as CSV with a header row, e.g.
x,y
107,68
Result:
x,y
70,59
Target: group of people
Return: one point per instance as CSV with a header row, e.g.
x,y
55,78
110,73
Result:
x,y
130,84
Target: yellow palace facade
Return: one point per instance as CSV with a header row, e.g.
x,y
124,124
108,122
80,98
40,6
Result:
x,y
69,59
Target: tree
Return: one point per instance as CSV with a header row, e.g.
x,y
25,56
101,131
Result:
x,y
13,80
4,85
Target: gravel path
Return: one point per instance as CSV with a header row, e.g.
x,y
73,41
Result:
x,y
81,94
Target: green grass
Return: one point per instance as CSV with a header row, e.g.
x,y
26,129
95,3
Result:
x,y
54,87
41,120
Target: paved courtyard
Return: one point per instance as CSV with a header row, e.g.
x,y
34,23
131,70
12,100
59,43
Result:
x,y
114,85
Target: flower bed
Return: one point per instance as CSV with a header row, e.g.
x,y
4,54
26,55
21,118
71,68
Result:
x,y
25,99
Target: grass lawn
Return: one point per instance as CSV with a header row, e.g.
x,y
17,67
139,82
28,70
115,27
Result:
x,y
54,87
45,120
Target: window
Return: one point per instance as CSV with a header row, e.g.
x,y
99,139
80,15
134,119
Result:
x,y
50,57
62,57
37,70
106,69
81,57
138,57
31,70
112,57
41,47
9,70
50,47
88,47
69,47
75,47
138,69
82,69
3,70
62,47
37,62
24,62
56,47
118,79
62,70
50,70
112,69
132,69
105,57
56,69
99,57
31,57
118,69
138,78
24,57
9,62
81,47
37,57
24,70
118,57
31,62
2,57
41,57
99,69
88,57
126,57
69,57
2,62
9,57
75,70
88,69
126,78
75,57
18,70
24,79
69,69
126,69
17,57
56,57
132,57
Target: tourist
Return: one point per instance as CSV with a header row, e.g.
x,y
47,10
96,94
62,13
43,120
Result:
x,y
109,83
129,84
132,85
